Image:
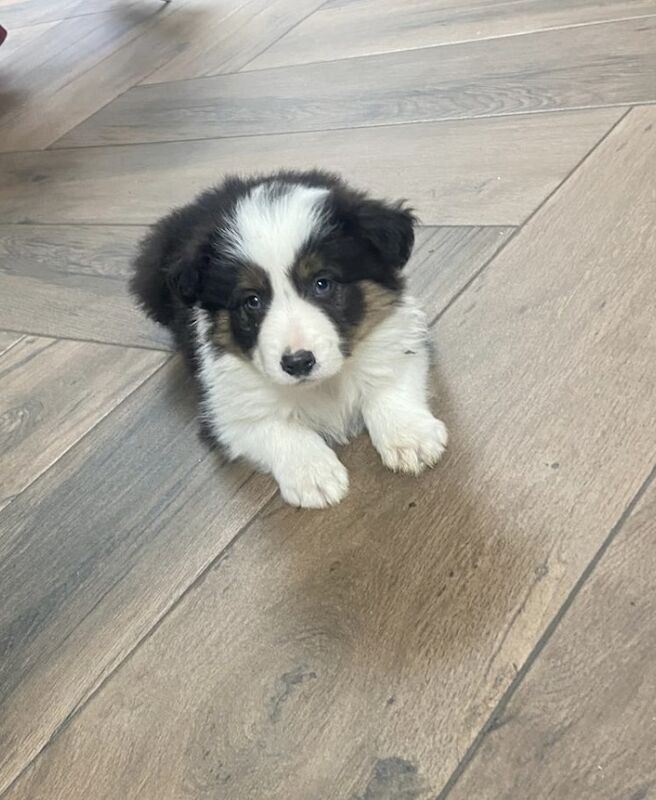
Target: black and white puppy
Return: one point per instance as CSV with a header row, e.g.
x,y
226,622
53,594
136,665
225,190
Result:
x,y
286,294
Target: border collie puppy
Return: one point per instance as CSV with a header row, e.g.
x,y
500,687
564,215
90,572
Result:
x,y
286,294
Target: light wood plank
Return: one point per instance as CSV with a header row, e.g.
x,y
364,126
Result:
x,y
19,40
333,654
68,73
35,12
582,726
447,260
153,512
113,51
584,67
363,27
53,393
229,44
71,281
482,172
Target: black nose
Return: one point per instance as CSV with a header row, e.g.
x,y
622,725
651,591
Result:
x,y
298,363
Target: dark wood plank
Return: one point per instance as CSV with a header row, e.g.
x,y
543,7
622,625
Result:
x,y
481,172
53,393
150,511
357,651
228,44
99,549
582,724
579,67
71,281
362,27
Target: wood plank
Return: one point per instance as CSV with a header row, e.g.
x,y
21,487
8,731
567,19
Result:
x,y
363,27
71,281
114,51
20,39
581,725
446,261
35,12
579,67
53,393
480,172
68,74
151,510
229,44
340,653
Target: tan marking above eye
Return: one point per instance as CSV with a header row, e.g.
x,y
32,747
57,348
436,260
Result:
x,y
309,266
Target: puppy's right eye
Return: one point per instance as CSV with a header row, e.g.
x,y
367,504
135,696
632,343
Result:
x,y
253,302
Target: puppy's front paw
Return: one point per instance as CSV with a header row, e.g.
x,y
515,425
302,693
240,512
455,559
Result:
x,y
416,443
314,482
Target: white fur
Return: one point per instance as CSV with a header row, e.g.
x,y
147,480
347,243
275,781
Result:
x,y
284,429
269,227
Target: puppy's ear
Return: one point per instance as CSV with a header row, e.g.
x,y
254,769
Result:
x,y
388,228
187,271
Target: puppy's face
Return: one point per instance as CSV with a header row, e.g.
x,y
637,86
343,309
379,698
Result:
x,y
301,273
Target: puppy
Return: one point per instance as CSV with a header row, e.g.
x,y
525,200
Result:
x,y
286,294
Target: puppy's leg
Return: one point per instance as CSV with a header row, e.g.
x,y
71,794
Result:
x,y
308,472
401,426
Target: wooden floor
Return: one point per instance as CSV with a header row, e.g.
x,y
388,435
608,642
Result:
x,y
168,628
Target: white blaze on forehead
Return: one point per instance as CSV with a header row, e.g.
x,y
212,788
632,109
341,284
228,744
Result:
x,y
272,223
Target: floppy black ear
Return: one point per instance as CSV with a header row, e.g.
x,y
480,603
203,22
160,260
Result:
x,y
171,266
381,236
388,227
186,271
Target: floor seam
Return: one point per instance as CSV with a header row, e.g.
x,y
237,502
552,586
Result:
x,y
79,441
554,623
537,31
355,127
250,60
197,581
551,628
163,349
519,228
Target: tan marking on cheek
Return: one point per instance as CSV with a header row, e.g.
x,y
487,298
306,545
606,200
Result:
x,y
222,336
379,303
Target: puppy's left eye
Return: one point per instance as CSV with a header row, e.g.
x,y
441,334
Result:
x,y
323,286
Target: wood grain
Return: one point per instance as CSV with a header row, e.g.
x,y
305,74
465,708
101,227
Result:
x,y
19,40
402,615
99,549
113,51
480,172
33,12
582,725
152,509
53,393
447,259
71,281
363,27
581,67
67,73
228,44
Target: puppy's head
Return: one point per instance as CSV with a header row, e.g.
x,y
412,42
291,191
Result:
x,y
296,269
